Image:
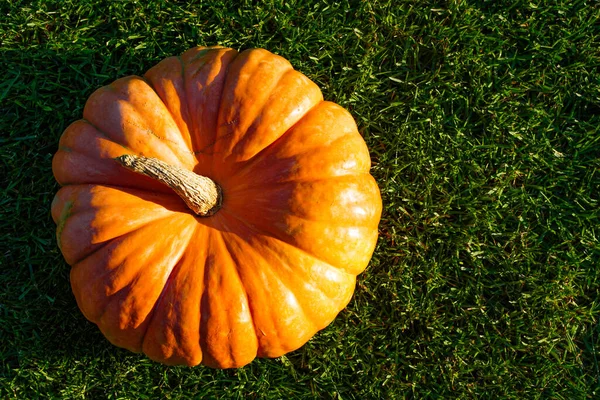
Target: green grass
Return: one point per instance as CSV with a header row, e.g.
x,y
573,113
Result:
x,y
483,122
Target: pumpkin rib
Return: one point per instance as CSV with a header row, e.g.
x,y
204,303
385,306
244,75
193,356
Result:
x,y
108,241
178,146
163,78
270,236
246,164
194,133
280,281
304,218
146,321
186,104
236,262
165,148
105,135
346,201
283,240
172,273
88,215
268,309
136,278
351,262
276,276
169,341
224,309
203,326
99,248
334,303
257,120
243,289
246,249
149,83
327,147
170,195
264,101
311,284
293,268
167,195
273,185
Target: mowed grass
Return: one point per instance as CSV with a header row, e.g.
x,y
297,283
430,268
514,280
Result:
x,y
482,118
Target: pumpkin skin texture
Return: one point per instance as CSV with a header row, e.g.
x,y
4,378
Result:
x,y
274,265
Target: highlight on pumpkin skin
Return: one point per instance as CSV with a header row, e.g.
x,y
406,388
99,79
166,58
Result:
x,y
130,113
258,278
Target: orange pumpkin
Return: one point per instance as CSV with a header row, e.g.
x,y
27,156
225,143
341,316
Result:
x,y
249,261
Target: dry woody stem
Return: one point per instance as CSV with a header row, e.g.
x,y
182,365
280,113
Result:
x,y
201,194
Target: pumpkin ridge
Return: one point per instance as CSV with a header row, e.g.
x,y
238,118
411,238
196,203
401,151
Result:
x,y
170,143
187,148
146,321
174,269
310,316
105,243
271,235
236,264
128,110
257,329
256,120
126,294
227,83
275,184
203,306
188,120
246,164
127,189
105,135
268,310
215,311
276,276
62,220
193,132
184,100
304,218
203,149
312,284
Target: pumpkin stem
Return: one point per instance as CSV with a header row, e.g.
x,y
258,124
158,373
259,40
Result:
x,y
201,194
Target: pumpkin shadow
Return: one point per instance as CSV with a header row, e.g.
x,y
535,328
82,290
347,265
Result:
x,y
45,90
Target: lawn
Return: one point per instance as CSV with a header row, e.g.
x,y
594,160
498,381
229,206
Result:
x,y
483,123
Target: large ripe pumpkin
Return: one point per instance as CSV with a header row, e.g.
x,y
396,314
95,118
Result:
x,y
250,262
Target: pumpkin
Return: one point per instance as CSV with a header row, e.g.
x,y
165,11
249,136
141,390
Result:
x,y
215,210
